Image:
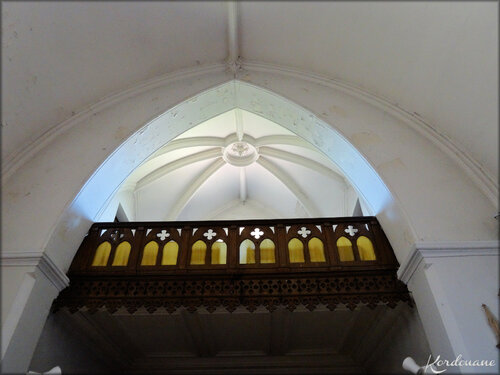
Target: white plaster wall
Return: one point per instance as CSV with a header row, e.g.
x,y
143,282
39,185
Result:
x,y
450,282
461,285
429,312
125,198
437,197
30,315
11,277
350,200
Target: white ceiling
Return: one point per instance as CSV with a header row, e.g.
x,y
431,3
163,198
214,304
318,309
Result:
x,y
290,178
437,59
59,57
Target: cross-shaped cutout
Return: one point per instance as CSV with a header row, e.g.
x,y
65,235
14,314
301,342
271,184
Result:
x,y
163,234
351,230
116,235
257,233
304,232
209,234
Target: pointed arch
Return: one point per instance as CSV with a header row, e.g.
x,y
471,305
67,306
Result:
x,y
210,96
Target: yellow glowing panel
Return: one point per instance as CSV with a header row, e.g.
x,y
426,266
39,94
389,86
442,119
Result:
x,y
150,254
345,249
316,250
365,247
247,252
121,254
267,251
101,255
170,252
296,250
198,252
219,252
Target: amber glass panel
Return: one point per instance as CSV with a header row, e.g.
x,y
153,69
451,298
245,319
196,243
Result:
x,y
345,249
121,254
102,254
198,252
267,248
150,254
170,252
365,247
219,252
296,250
247,252
316,250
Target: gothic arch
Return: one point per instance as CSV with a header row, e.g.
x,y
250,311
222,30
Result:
x,y
138,122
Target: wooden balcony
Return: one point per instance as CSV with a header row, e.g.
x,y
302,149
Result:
x,y
324,261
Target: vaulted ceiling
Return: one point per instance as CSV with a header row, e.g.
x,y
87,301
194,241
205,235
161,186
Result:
x,y
435,59
237,165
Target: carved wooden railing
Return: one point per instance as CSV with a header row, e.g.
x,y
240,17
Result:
x,y
327,261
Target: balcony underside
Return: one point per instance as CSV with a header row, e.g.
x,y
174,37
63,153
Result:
x,y
261,342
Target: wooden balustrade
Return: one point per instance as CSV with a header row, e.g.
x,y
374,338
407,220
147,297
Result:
x,y
229,263
242,247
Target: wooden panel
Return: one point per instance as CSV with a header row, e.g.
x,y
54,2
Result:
x,y
185,234
310,283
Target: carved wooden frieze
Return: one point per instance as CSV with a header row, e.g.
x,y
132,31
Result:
x,y
286,289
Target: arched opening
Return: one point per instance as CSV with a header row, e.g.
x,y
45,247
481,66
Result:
x,y
241,149
98,191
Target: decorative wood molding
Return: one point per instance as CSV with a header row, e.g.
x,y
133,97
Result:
x,y
212,292
428,250
36,259
284,281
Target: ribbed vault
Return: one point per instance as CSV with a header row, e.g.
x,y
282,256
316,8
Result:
x,y
235,165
